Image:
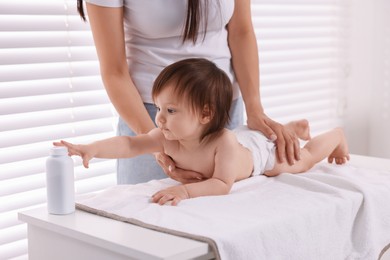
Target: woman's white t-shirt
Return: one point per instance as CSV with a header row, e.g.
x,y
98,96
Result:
x,y
153,35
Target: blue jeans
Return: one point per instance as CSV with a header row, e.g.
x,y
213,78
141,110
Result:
x,y
144,168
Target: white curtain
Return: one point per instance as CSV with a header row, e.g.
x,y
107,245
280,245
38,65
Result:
x,y
50,89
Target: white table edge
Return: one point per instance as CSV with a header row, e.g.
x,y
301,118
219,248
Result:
x,y
72,226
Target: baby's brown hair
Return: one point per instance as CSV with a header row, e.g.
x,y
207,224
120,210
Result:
x,y
203,85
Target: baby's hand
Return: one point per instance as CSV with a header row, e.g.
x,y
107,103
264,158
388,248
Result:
x,y
77,149
173,194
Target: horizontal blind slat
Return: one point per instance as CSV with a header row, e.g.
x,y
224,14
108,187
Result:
x,y
28,7
52,102
288,23
41,149
298,55
262,9
59,116
293,44
278,90
24,199
24,88
55,132
37,23
14,170
296,33
298,76
45,39
299,3
46,55
9,218
38,181
48,70
14,249
292,66
38,196
12,234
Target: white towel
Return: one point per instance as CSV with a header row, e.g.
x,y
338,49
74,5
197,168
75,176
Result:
x,y
331,212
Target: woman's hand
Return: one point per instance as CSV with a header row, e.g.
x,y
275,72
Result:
x,y
287,143
178,174
77,149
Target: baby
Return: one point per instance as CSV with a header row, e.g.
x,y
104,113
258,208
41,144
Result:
x,y
193,99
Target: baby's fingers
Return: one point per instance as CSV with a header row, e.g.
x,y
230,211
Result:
x,y
86,162
62,143
76,149
162,198
157,196
176,201
58,144
73,149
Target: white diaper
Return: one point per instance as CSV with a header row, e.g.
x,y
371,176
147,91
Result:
x,y
263,149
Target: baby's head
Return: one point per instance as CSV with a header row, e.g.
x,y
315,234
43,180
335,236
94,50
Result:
x,y
203,86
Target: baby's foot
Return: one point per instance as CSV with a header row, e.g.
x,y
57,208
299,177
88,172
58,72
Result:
x,y
301,128
340,154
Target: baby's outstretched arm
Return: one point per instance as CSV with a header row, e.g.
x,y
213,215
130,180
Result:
x,y
117,147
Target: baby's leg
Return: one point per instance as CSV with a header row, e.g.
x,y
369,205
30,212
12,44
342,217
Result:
x,y
332,144
301,128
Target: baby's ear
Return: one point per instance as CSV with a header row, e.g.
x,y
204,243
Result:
x,y
207,115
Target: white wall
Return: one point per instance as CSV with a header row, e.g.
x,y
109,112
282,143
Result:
x,y
379,144
367,121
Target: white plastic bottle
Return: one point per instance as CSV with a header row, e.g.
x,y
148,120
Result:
x,y
60,182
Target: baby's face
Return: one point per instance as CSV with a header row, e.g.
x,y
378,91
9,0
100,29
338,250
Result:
x,y
175,118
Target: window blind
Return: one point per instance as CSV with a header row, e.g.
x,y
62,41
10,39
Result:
x,y
50,89
302,52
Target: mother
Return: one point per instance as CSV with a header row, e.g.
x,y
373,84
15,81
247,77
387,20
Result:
x,y
136,39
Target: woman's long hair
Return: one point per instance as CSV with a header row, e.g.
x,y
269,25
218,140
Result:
x,y
196,12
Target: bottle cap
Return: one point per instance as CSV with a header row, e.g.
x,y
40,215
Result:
x,y
59,150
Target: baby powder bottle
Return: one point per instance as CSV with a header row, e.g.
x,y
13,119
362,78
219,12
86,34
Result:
x,y
60,182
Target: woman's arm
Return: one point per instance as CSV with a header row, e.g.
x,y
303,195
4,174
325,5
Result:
x,y
243,46
108,33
